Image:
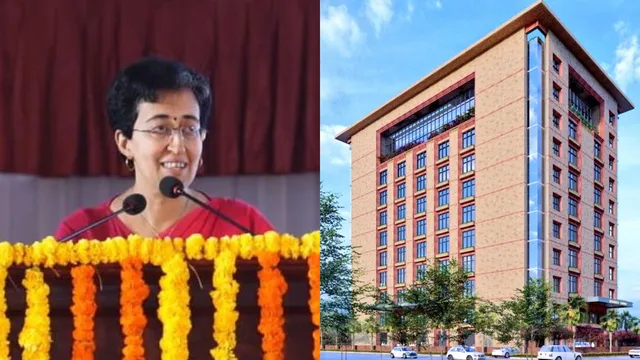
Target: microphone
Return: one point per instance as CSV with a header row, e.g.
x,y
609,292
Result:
x,y
133,204
171,187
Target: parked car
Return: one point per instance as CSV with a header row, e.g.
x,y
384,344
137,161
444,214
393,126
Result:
x,y
583,344
505,352
464,353
558,352
634,352
403,352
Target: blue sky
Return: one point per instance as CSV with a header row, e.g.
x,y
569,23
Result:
x,y
371,50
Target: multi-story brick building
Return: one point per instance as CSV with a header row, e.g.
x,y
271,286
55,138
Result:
x,y
503,158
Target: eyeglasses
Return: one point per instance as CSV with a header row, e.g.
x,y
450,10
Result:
x,y
162,132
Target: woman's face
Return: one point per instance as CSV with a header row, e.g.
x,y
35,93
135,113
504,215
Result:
x,y
157,151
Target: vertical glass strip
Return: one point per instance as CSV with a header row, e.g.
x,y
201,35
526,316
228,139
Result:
x,y
535,154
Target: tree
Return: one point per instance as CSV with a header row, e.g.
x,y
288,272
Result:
x,y
626,320
342,294
573,313
372,327
485,320
441,295
609,322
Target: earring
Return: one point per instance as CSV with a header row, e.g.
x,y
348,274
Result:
x,y
129,164
201,162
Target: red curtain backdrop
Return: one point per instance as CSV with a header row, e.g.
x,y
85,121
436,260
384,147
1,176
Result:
x,y
57,58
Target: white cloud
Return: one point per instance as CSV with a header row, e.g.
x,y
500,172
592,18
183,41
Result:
x,y
626,69
340,30
409,13
331,150
379,12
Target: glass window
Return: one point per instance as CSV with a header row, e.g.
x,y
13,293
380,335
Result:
x,y
421,160
597,196
556,147
401,233
401,191
421,271
468,163
402,168
400,254
573,181
468,239
443,149
468,188
573,155
573,284
556,120
401,212
573,130
556,284
573,258
469,263
443,244
382,258
469,287
597,170
421,249
468,213
573,207
556,175
421,205
443,173
597,266
401,276
421,227
597,149
556,230
443,221
556,257
383,198
383,278
597,242
383,177
382,218
382,238
573,233
421,182
468,138
443,197
597,288
556,202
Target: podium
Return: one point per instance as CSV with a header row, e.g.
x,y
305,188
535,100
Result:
x,y
108,334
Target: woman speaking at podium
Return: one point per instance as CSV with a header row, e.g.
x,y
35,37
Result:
x,y
159,112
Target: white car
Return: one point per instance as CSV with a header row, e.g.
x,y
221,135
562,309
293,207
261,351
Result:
x,y
558,352
505,352
403,352
464,353
634,352
582,344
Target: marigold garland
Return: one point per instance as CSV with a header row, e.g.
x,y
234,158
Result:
x,y
173,311
83,310
35,337
134,291
314,300
224,295
270,294
5,324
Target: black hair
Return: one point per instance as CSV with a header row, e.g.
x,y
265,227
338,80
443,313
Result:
x,y
141,81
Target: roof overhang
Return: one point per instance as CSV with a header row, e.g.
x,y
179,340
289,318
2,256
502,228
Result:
x,y
608,303
538,12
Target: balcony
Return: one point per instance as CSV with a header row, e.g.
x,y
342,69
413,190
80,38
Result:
x,y
583,106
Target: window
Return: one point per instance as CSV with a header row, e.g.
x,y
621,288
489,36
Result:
x,y
573,155
402,169
597,266
557,199
443,173
443,244
611,162
469,287
443,264
400,254
400,274
597,196
383,197
556,257
611,249
443,149
421,249
611,206
573,181
468,163
468,138
382,256
573,207
421,271
611,294
382,218
573,233
556,175
421,160
468,188
421,227
597,288
556,64
401,233
556,284
597,242
573,284
421,205
611,229
468,213
611,141
556,120
597,148
611,182
401,212
443,197
611,271
556,147
401,193
469,263
382,238
612,118
556,92
556,230
421,182
443,221
468,239
573,130
383,178
597,171
573,258
383,278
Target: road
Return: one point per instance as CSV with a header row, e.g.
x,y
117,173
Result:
x,y
334,355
